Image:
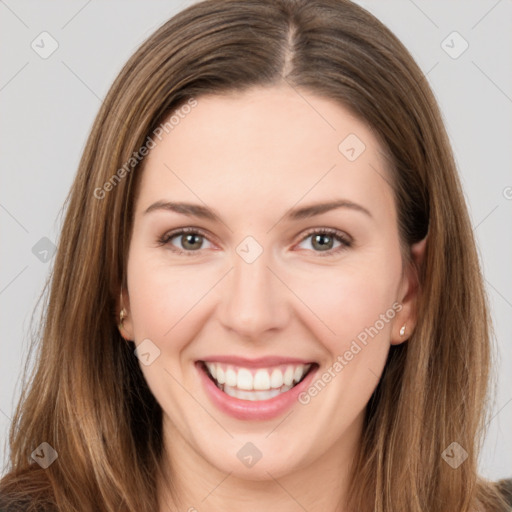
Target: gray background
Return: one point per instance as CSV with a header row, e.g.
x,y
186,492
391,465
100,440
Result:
x,y
48,106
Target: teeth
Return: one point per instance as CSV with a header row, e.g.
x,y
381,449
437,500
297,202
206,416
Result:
x,y
254,396
261,380
212,368
244,380
276,379
230,377
299,372
221,376
288,376
260,384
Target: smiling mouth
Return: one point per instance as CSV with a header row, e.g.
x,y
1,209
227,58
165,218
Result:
x,y
256,384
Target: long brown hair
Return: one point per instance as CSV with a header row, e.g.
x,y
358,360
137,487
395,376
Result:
x,y
87,397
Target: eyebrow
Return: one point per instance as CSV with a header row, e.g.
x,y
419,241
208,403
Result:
x,y
203,212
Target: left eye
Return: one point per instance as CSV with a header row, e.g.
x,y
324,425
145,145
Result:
x,y
324,240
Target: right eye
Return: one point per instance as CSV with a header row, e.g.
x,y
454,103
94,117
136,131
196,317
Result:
x,y
190,240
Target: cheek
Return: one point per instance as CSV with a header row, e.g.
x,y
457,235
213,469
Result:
x,y
158,296
168,303
350,301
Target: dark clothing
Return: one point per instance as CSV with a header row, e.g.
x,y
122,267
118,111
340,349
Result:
x,y
505,487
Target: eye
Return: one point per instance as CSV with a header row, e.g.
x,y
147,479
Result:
x,y
324,239
190,241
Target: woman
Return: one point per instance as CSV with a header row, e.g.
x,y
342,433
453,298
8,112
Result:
x,y
266,294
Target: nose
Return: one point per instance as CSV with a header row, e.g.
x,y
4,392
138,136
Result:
x,y
254,300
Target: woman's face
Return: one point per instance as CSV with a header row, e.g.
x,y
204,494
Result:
x,y
269,288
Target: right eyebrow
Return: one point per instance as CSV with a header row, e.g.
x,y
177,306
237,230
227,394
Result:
x,y
192,210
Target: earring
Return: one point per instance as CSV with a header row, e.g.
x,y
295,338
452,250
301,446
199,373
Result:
x,y
122,315
402,330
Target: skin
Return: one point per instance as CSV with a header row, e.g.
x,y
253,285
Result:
x,y
251,157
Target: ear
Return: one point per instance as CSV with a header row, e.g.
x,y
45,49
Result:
x,y
408,295
126,328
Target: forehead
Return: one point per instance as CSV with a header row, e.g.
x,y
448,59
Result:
x,y
247,150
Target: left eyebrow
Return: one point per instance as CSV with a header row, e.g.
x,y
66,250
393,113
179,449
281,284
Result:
x,y
319,208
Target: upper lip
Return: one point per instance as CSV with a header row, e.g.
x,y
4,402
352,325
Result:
x,y
256,362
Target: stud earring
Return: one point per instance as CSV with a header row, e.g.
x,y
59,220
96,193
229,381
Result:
x,y
402,330
122,315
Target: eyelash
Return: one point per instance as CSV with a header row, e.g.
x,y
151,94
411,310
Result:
x,y
338,235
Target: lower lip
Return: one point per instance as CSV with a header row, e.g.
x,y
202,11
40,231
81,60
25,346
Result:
x,y
249,410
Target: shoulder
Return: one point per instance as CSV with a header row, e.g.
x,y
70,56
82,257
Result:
x,y
505,488
20,507
26,490
9,503
9,506
12,508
